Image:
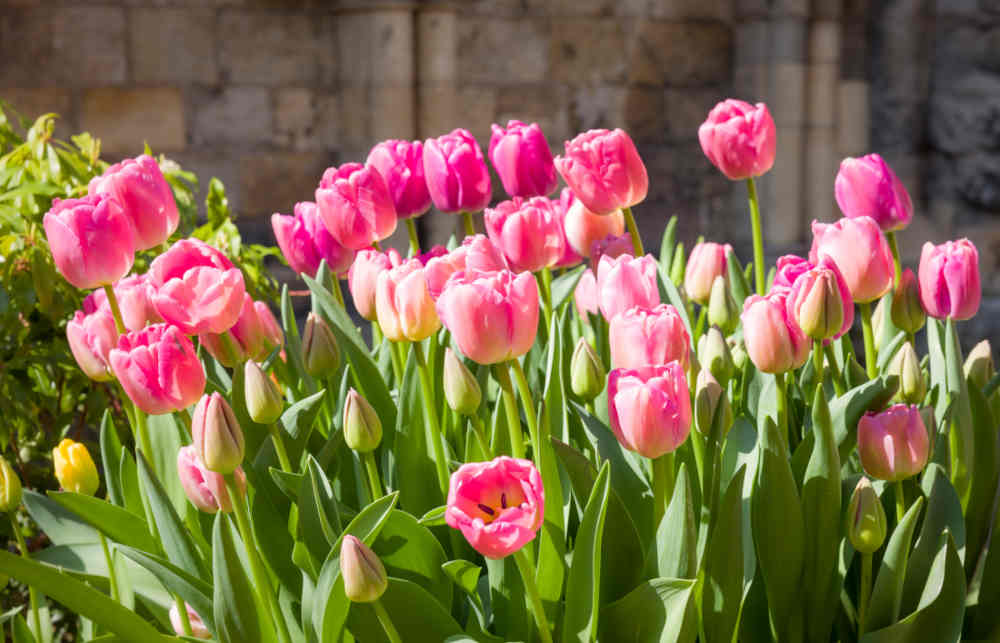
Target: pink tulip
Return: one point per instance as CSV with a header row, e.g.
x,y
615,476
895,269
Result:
x,y
949,279
585,295
584,228
493,317
401,164
197,288
158,368
364,273
820,302
773,339
403,304
570,257
198,629
648,337
522,158
528,232
893,444
706,262
611,246
91,240
604,170
456,172
305,241
650,408
862,253
254,335
91,337
626,282
789,268
436,251
205,489
477,252
867,187
135,301
739,138
498,506
145,197
354,204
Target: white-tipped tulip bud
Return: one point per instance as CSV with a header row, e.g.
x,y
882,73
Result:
x,y
364,574
906,366
264,401
319,347
587,374
461,390
362,426
866,523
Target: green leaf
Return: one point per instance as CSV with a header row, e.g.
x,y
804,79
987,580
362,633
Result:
x,y
667,243
674,553
961,435
287,483
411,457
165,436
669,294
86,562
62,526
299,420
117,524
111,448
129,475
319,515
984,483
658,611
722,594
583,587
410,551
464,574
194,591
434,517
739,287
887,594
563,286
511,617
847,409
177,543
293,344
415,613
235,610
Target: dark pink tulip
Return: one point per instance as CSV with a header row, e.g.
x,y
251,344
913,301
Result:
x,y
135,300
527,231
476,253
649,337
820,302
91,239
435,252
254,335
91,337
364,273
604,170
145,197
401,164
522,158
584,228
611,246
158,368
867,187
305,241
893,444
354,204
457,178
773,339
789,269
949,279
706,262
205,489
862,253
626,282
650,408
739,138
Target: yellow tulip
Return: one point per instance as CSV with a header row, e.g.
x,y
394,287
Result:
x,y
74,467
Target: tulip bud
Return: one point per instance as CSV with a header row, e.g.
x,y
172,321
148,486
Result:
x,y
854,372
906,366
708,395
714,355
894,444
461,389
217,435
10,487
362,427
979,364
319,347
866,524
882,332
722,309
264,401
907,311
74,468
819,302
739,353
586,372
364,574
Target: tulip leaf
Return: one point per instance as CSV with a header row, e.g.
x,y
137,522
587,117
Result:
x,y
552,418
583,587
235,609
887,352
128,473
86,562
414,611
674,553
507,604
287,483
961,436
117,524
984,484
177,543
564,285
319,515
887,594
464,574
667,243
111,448
62,526
723,590
739,287
847,409
270,508
669,294
661,610
165,436
434,517
293,343
299,421
410,551
193,590
411,456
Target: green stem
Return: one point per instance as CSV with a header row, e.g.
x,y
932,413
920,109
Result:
x,y
758,237
373,478
470,227
900,501
663,485
528,403
633,231
866,587
699,326
142,433
411,228
112,574
183,614
376,245
525,566
831,363
891,235
871,366
397,361
383,618
545,291
480,430
501,372
337,292
818,362
32,592
782,399
279,447
376,334
432,419
116,312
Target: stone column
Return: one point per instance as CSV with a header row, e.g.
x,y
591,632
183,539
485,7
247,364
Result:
x,y
821,158
852,92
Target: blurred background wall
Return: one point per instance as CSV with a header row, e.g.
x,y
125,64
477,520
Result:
x,y
265,94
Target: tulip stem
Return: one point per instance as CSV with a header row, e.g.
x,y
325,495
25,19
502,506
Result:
x,y
433,422
866,586
337,292
869,336
183,614
502,374
783,425
758,237
470,227
112,575
831,363
545,291
528,402
115,310
891,236
818,362
527,569
32,592
480,430
279,447
663,485
411,228
395,354
142,433
383,618
633,231
900,501
373,478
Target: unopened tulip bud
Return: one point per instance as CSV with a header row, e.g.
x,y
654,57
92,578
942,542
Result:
x,y
905,365
587,372
362,427
894,444
264,402
10,487
854,372
722,309
739,353
461,390
217,435
878,322
821,303
979,364
74,468
708,396
907,311
364,574
714,355
866,523
319,347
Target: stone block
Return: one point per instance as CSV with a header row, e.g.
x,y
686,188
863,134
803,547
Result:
x,y
751,82
503,51
232,115
173,46
854,50
439,109
787,99
787,37
750,43
785,213
393,112
32,103
275,48
821,100
437,42
752,8
90,43
327,125
852,117
594,8
679,53
295,119
354,131
964,123
26,47
392,48
686,110
692,9
217,162
979,181
274,182
588,51
124,119
547,105
597,107
821,164
824,41
797,8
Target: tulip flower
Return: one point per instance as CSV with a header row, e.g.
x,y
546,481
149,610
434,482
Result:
x,y
528,232
263,398
362,426
570,257
978,367
319,347
860,251
362,277
461,390
585,295
158,368
739,138
715,355
403,304
907,311
74,468
91,239
305,242
583,228
626,282
905,365
134,296
648,337
197,288
198,629
586,371
401,164
434,253
706,262
650,408
893,444
493,317
217,435
723,311
354,204
610,246
820,302
254,335
363,573
206,489
522,158
867,187
145,197
949,279
604,170
866,523
457,178
708,396
789,267
498,505
477,252
774,341
91,338
10,487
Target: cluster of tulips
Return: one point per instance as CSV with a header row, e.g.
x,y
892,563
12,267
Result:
x,y
355,485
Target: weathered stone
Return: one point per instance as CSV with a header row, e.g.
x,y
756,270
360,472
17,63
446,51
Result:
x,y
295,119
597,107
437,43
684,54
354,131
787,100
798,8
547,106
960,124
750,82
597,8
32,103
588,51
439,109
750,43
173,46
854,50
502,51
751,8
686,110
89,43
821,99
979,181
824,41
820,170
26,47
273,48
787,37
785,212
393,112
124,119
274,182
852,118
218,162
232,115
327,128
391,48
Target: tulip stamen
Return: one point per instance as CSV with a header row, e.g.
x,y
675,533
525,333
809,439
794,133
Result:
x,y
487,509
